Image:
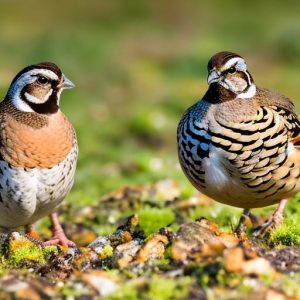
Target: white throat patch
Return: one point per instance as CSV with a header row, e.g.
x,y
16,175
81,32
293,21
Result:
x,y
36,100
249,93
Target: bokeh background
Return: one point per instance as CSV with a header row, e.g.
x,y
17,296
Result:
x,y
137,66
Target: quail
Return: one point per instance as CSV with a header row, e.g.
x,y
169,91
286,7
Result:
x,y
240,143
38,150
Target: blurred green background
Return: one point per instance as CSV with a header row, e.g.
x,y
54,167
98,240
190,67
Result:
x,y
137,66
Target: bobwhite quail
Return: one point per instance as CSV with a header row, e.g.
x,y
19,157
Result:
x,y
38,150
240,143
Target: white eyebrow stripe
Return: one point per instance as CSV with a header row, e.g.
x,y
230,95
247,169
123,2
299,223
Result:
x,y
29,77
233,61
43,72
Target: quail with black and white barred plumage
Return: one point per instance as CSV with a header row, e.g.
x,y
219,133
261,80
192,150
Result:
x,y
240,143
38,150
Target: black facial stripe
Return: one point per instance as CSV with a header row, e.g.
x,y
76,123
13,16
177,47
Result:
x,y
248,78
54,83
48,107
227,70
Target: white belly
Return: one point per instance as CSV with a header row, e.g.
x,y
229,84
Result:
x,y
30,194
221,185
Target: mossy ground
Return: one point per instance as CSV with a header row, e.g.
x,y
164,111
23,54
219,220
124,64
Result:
x,y
157,252
137,66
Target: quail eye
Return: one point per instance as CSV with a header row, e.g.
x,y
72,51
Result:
x,y
43,80
232,70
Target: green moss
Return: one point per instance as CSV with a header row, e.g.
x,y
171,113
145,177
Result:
x,y
287,234
206,274
156,287
161,288
71,291
107,252
152,219
24,251
267,279
291,284
128,291
3,268
48,251
186,191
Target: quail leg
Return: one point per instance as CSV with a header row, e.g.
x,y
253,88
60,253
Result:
x,y
275,220
30,231
241,226
59,236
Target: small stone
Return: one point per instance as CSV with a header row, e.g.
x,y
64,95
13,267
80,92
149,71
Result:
x,y
192,202
125,253
272,294
101,281
154,248
99,243
27,293
257,266
234,259
167,190
190,239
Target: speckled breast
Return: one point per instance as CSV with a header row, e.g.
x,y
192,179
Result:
x,y
27,195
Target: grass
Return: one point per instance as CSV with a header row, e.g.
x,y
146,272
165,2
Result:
x,y
288,233
152,219
137,66
157,287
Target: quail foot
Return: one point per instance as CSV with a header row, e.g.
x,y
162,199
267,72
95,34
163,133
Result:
x,y
38,150
240,143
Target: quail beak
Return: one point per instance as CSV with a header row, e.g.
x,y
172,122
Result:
x,y
67,84
213,76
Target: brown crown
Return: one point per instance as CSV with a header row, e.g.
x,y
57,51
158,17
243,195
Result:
x,y
219,59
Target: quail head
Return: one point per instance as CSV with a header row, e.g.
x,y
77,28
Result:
x,y
240,143
38,150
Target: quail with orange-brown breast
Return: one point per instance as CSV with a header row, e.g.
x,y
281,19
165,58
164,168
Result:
x,y
38,150
240,144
